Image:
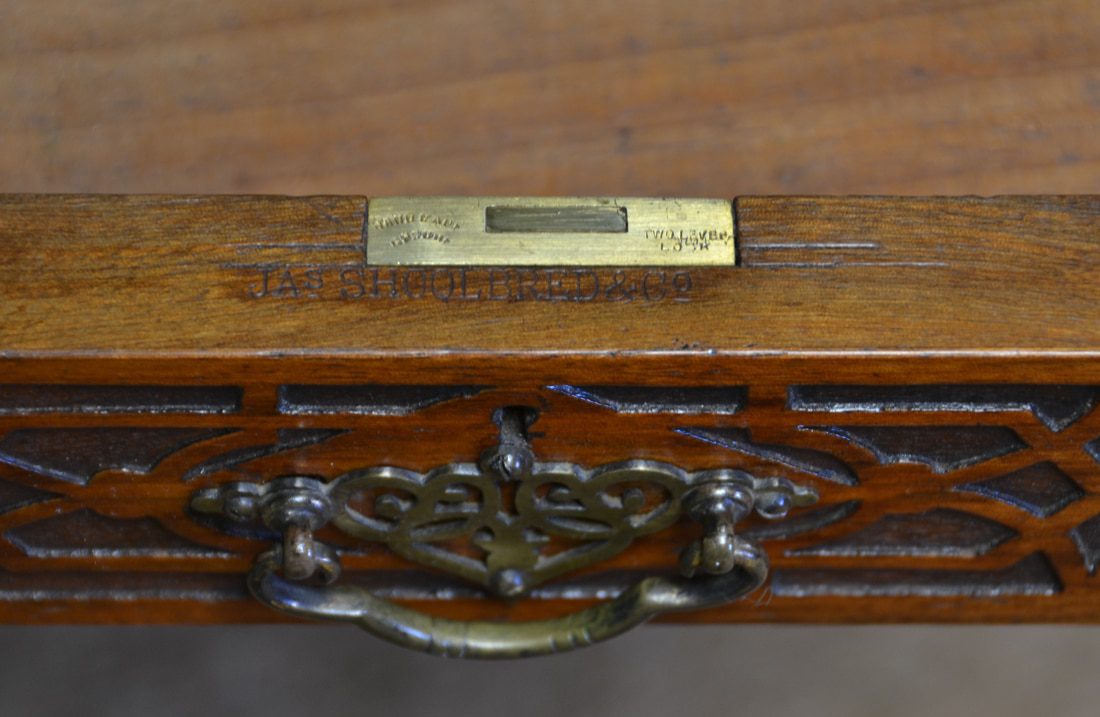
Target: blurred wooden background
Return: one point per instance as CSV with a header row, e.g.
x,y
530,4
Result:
x,y
710,97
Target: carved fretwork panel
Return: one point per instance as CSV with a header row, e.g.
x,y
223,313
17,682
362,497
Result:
x,y
936,496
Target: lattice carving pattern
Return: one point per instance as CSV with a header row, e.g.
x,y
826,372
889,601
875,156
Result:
x,y
974,493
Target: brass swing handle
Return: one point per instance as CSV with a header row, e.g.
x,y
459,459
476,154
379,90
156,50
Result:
x,y
483,639
716,569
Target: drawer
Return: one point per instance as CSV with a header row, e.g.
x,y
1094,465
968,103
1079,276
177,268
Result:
x,y
871,410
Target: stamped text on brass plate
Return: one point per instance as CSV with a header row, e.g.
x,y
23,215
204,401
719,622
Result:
x,y
549,231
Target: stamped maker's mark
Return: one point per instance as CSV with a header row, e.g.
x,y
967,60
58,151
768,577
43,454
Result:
x,y
413,227
688,240
470,249
344,282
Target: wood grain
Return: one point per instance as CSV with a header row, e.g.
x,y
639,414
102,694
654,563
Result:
x,y
694,98
245,275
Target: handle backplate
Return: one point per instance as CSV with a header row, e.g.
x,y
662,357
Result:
x,y
507,524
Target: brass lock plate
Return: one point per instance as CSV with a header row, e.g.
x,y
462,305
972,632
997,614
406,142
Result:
x,y
549,231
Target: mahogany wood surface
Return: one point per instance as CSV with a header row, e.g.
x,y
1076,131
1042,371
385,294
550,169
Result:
x,y
342,100
581,97
244,275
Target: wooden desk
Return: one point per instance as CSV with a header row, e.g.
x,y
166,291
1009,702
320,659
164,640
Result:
x,y
482,98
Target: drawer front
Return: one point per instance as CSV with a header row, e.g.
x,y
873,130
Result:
x,y
843,409
936,500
